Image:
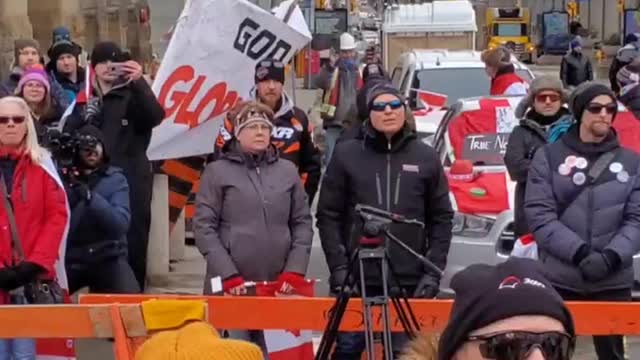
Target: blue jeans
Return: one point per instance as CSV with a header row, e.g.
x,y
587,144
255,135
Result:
x,y
18,349
331,136
350,345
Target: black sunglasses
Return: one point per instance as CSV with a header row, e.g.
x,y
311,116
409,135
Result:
x,y
4,120
518,345
382,106
596,108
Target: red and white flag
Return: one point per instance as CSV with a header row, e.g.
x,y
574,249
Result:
x,y
289,344
431,100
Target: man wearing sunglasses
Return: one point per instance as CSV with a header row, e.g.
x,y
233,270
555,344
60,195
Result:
x,y
543,119
292,132
494,316
582,204
390,169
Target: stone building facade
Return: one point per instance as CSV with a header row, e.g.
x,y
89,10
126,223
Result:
x,y
123,21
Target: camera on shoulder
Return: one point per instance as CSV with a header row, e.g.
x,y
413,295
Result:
x,y
65,147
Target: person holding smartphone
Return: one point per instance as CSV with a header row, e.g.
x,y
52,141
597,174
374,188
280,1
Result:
x,y
125,109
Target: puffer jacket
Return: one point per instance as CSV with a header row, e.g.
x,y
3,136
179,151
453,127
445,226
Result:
x,y
252,218
403,176
98,228
575,69
525,139
604,215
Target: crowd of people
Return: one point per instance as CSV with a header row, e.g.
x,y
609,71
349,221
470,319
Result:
x,y
75,179
564,156
74,174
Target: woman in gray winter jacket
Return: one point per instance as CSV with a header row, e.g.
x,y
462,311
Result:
x,y
252,219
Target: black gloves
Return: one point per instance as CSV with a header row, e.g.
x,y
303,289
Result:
x,y
428,287
78,192
27,272
8,279
597,266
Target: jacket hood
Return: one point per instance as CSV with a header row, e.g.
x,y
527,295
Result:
x,y
533,118
573,141
379,141
286,103
232,152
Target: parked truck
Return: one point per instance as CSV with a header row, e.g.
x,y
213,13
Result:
x,y
511,27
434,25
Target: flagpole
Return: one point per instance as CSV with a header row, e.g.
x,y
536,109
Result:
x,y
286,18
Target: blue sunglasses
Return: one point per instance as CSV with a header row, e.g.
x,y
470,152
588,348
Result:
x,y
382,106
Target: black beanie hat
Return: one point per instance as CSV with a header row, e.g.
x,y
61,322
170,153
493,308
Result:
x,y
63,47
486,294
381,88
584,93
106,51
269,69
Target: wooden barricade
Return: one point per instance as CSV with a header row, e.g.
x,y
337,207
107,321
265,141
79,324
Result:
x,y
119,317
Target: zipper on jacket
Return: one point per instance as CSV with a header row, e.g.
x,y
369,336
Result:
x,y
397,194
589,214
379,189
389,176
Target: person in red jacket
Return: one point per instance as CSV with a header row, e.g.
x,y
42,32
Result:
x,y
32,241
504,80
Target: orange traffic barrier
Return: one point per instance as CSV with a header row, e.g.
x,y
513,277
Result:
x,y
119,317
591,318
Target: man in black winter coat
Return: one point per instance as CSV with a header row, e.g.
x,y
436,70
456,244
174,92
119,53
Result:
x,y
99,200
576,67
127,111
390,169
543,120
583,207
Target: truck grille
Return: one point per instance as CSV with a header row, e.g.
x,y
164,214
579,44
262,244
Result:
x,y
519,48
507,239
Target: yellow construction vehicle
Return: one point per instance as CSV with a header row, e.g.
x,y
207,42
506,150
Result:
x,y
511,27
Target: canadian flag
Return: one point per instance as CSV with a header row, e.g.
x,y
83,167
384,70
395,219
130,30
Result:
x,y
431,100
289,344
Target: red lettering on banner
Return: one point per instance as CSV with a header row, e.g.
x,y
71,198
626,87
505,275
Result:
x,y
181,101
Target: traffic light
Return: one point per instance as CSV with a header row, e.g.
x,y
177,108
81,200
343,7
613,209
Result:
x,y
572,8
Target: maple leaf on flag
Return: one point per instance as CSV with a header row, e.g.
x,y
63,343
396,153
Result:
x,y
431,100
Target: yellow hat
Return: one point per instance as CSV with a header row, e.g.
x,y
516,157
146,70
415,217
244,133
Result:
x,y
196,341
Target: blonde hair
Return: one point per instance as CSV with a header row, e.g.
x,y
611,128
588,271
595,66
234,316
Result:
x,y
423,347
36,152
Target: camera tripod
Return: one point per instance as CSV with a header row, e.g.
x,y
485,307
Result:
x,y
376,225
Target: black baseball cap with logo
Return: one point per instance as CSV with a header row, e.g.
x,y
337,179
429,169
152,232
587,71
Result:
x,y
486,294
